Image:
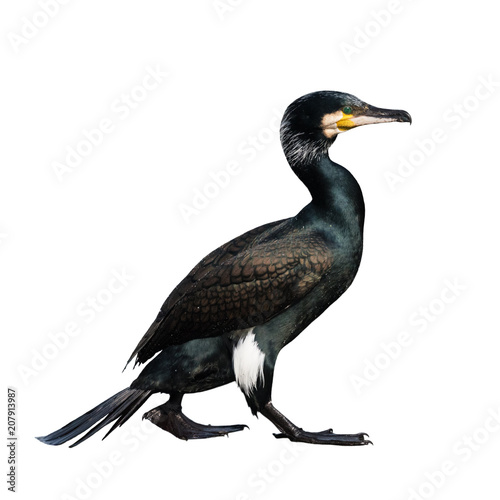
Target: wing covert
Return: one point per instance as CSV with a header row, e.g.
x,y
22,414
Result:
x,y
239,286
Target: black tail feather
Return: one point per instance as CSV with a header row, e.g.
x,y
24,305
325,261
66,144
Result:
x,y
121,406
129,411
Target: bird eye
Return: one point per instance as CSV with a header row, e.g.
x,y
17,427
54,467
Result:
x,y
347,110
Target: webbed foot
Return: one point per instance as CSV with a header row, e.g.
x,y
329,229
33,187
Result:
x,y
326,437
171,419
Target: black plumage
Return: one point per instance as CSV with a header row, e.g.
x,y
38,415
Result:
x,y
246,282
234,312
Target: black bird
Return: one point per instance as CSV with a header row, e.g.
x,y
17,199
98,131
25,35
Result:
x,y
234,312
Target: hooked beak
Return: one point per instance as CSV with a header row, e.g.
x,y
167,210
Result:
x,y
340,122
374,115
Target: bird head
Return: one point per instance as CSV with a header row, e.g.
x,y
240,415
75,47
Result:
x,y
312,122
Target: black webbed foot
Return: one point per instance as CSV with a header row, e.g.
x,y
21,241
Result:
x,y
293,433
326,437
171,419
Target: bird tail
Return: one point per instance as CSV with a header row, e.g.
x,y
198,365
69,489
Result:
x,y
119,407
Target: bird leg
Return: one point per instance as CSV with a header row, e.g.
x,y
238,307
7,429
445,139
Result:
x,y
170,418
294,433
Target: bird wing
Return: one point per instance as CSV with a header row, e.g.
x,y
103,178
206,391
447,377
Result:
x,y
244,283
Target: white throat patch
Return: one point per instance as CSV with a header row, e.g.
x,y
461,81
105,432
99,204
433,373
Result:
x,y
248,363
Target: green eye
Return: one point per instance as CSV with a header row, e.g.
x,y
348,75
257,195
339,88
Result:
x,y
347,110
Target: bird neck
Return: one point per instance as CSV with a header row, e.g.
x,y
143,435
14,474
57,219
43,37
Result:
x,y
336,195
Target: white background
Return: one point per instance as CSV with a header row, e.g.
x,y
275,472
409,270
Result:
x,y
230,72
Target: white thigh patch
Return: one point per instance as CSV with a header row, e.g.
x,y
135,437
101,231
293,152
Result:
x,y
248,363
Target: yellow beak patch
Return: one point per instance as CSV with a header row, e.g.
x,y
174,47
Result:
x,y
345,123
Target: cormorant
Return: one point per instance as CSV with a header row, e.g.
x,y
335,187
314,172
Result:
x,y
234,312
